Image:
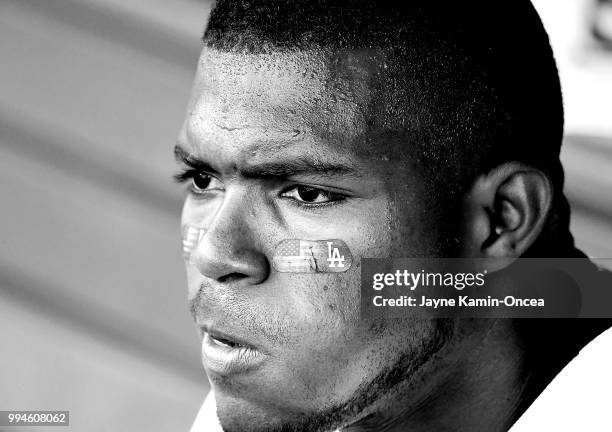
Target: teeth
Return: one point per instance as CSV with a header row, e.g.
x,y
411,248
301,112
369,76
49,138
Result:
x,y
218,342
225,343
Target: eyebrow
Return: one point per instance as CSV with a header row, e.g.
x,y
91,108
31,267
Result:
x,y
278,169
183,156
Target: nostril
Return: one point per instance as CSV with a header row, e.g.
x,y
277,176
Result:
x,y
231,277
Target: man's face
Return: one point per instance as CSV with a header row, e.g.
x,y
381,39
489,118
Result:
x,y
283,149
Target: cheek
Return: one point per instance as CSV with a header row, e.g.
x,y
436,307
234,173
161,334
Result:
x,y
324,309
324,306
323,320
194,278
333,353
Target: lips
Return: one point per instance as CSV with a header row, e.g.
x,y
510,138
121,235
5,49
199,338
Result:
x,y
225,354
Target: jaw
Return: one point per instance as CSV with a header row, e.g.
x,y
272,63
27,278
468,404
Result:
x,y
389,390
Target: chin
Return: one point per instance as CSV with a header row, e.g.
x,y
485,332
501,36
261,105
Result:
x,y
239,415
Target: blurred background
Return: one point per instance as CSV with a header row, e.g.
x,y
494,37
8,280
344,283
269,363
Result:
x,y
93,314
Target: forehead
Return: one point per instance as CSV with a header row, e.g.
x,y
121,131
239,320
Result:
x,y
315,97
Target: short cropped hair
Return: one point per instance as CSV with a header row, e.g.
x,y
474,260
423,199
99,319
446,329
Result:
x,y
468,84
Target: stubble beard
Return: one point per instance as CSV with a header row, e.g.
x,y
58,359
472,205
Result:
x,y
364,398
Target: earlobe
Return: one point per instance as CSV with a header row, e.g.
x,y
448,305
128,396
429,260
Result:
x,y
505,212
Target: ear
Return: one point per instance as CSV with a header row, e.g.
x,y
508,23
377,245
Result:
x,y
505,212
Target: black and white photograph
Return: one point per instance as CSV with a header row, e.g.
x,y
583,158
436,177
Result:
x,y
305,215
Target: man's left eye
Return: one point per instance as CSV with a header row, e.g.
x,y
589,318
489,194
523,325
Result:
x,y
311,195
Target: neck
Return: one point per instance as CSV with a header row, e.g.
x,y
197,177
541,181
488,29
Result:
x,y
483,380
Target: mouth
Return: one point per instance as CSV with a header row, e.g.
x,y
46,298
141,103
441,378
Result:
x,y
226,355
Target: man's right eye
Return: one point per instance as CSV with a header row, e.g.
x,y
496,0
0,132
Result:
x,y
202,182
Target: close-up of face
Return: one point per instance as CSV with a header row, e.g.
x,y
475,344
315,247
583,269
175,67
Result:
x,y
277,146
306,216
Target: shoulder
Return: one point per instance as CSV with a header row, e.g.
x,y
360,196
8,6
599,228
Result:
x,y
579,396
206,420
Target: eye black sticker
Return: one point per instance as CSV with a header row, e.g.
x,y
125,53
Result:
x,y
312,256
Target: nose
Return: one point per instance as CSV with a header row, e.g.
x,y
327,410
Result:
x,y
228,251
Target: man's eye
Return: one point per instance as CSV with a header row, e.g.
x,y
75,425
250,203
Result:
x,y
311,195
201,182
